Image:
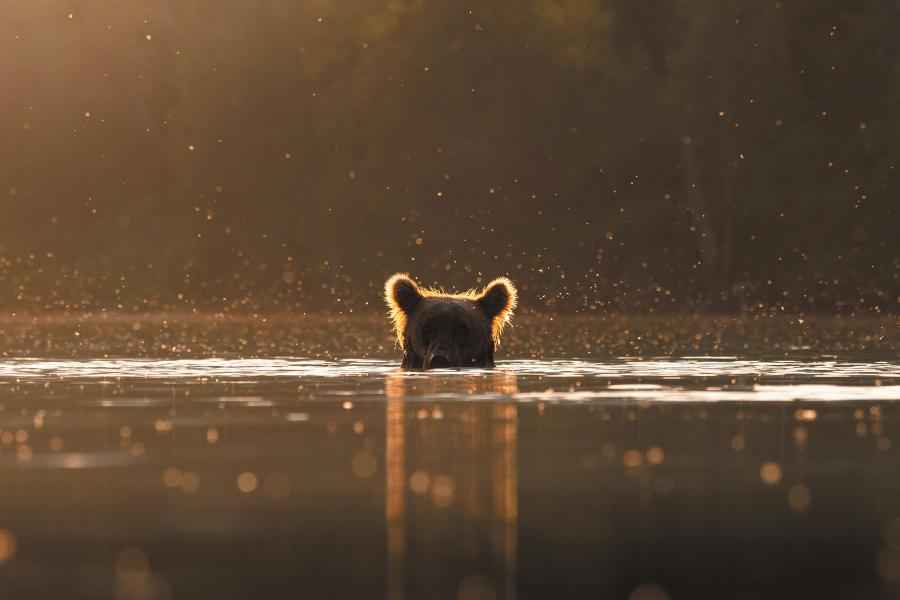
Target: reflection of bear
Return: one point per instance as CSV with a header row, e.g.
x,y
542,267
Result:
x,y
451,486
435,329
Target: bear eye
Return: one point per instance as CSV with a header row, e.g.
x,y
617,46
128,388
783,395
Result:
x,y
426,332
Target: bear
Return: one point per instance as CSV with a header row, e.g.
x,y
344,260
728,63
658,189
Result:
x,y
439,330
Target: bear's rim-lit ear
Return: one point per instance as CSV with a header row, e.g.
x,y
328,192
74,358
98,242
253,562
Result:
x,y
402,293
497,301
402,296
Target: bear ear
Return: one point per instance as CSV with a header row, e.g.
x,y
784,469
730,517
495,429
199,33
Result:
x,y
402,296
497,302
402,293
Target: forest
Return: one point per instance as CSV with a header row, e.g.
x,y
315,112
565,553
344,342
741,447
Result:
x,y
716,156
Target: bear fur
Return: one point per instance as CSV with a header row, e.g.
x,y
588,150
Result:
x,y
436,329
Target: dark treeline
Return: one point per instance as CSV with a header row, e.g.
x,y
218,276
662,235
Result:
x,y
714,155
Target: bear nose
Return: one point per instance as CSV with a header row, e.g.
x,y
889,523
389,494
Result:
x,y
439,362
442,358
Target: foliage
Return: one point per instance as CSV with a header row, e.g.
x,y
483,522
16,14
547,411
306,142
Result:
x,y
703,154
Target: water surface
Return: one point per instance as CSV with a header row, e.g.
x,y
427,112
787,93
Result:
x,y
285,477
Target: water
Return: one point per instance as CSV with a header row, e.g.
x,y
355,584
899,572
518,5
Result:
x,y
284,477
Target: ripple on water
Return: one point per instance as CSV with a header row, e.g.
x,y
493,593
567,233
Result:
x,y
711,379
71,460
757,393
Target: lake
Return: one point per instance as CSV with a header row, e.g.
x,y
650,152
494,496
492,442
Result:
x,y
151,458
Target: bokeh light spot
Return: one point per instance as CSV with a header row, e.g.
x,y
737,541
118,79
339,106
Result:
x,y
770,473
247,482
171,477
419,482
8,545
363,464
443,491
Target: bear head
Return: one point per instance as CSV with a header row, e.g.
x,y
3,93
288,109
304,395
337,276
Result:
x,y
440,330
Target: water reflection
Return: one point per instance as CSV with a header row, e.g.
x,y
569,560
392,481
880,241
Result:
x,y
452,488
340,478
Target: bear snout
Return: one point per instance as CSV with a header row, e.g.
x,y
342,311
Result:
x,y
442,358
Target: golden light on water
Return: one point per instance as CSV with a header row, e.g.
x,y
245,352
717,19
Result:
x,y
770,473
24,453
655,455
445,461
212,436
171,477
443,491
419,482
247,482
805,414
190,482
395,504
632,458
74,460
8,545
